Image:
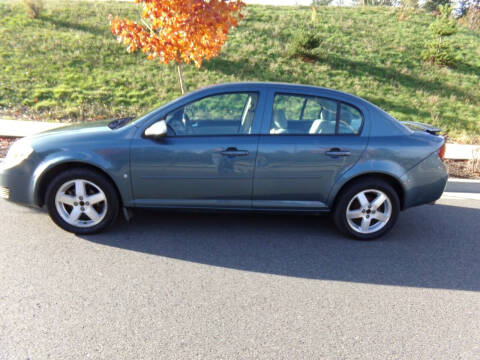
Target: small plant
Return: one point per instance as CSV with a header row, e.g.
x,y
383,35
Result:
x,y
439,52
407,8
473,17
303,42
438,49
33,8
475,160
444,25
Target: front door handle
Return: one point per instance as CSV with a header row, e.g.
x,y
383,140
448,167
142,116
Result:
x,y
232,151
337,152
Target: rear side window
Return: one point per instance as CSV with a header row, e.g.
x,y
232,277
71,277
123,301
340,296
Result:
x,y
296,114
350,121
312,115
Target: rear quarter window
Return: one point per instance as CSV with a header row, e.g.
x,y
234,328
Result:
x,y
350,121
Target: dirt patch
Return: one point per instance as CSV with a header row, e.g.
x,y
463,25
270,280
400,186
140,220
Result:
x,y
462,169
5,143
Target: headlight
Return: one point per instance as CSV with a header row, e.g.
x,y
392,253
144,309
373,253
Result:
x,y
18,152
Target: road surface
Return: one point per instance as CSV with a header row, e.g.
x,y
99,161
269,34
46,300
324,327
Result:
x,y
235,286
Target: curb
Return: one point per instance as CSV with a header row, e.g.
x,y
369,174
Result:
x,y
462,189
470,186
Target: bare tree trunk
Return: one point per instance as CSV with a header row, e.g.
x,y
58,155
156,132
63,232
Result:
x,y
180,75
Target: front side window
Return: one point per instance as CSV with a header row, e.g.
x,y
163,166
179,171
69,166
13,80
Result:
x,y
296,114
312,115
224,114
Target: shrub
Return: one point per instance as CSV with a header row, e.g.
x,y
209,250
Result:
x,y
439,51
303,42
443,27
434,5
33,8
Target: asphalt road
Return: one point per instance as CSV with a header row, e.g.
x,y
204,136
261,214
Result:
x,y
196,286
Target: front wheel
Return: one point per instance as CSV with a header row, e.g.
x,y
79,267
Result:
x,y
367,209
82,201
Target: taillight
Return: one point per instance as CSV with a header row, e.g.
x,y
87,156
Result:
x,y
441,151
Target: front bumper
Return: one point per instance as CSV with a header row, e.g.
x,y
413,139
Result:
x,y
4,193
15,183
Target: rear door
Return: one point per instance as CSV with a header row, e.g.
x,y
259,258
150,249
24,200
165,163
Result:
x,y
307,142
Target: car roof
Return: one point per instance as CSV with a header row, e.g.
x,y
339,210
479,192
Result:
x,y
256,85
269,84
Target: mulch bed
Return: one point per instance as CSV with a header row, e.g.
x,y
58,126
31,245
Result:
x,y
5,143
462,169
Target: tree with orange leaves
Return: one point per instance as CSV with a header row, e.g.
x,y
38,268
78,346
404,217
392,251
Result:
x,y
180,31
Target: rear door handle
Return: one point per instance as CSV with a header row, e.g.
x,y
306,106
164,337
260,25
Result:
x,y
232,151
337,152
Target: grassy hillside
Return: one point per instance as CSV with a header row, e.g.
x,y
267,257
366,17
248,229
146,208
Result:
x,y
67,64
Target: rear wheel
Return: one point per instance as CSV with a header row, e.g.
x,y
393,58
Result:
x,y
82,201
367,209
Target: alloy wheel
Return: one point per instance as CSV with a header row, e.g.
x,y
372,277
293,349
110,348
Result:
x,y
81,203
369,211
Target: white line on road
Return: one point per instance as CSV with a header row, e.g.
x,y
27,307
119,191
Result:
x,y
460,195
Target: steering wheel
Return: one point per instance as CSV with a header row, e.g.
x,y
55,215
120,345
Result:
x,y
344,123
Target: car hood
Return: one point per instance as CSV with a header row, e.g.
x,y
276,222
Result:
x,y
73,135
90,127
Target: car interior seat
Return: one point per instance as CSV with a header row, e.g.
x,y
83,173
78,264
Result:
x,y
280,124
323,125
248,116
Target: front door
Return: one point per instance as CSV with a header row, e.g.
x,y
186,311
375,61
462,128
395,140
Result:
x,y
310,141
207,159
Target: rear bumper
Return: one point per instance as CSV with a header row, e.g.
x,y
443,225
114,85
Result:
x,y
425,183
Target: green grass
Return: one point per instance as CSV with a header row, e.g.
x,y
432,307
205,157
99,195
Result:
x,y
67,64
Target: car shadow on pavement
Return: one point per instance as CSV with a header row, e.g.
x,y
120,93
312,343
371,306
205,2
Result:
x,y
431,246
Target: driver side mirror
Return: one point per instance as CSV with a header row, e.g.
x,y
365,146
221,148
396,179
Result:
x,y
159,129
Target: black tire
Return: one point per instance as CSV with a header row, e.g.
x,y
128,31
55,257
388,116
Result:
x,y
94,177
349,193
